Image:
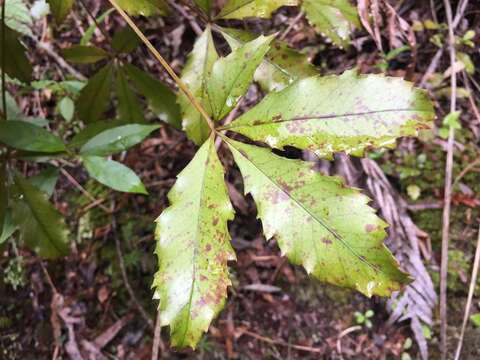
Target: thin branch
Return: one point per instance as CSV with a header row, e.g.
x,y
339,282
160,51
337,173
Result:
x,y
166,65
284,344
123,270
471,291
157,337
448,189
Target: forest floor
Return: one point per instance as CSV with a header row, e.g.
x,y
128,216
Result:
x,y
274,310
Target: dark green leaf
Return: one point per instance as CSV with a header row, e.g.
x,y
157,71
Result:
x,y
84,54
117,139
331,114
25,136
239,9
16,63
160,98
46,180
41,226
125,40
144,7
197,69
8,229
95,96
319,222
129,108
193,247
60,9
231,76
114,175
281,66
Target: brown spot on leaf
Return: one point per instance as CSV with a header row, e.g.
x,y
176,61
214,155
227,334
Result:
x,y
370,228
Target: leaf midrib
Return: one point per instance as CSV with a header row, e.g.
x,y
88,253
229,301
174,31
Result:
x,y
195,250
238,124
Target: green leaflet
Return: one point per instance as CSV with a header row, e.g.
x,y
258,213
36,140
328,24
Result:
x,y
114,175
84,54
160,98
116,140
193,247
331,114
144,7
60,9
16,62
66,108
239,9
333,18
92,130
42,227
231,76
23,135
129,108
8,228
94,97
281,65
197,69
319,222
125,40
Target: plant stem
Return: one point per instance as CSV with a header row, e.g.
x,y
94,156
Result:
x,y
166,65
448,189
4,90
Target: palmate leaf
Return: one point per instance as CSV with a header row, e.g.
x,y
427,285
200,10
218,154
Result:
x,y
42,227
196,70
319,222
193,247
232,75
331,114
333,18
239,9
281,65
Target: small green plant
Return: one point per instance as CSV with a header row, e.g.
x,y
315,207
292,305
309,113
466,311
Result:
x,y
364,318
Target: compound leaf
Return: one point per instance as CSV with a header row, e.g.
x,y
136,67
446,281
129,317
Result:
x,y
319,222
193,247
41,226
23,135
232,75
333,18
94,97
114,175
330,114
239,9
84,54
116,140
159,97
60,9
196,71
144,7
281,65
